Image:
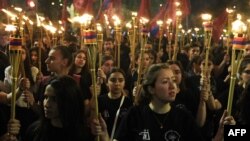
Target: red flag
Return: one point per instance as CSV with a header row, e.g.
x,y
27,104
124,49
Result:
x,y
118,7
144,10
172,8
185,7
3,4
64,11
113,8
83,6
89,7
161,15
110,8
218,25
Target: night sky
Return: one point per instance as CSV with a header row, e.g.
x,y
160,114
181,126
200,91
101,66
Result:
x,y
215,7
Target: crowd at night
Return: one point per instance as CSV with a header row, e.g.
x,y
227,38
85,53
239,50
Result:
x,y
124,70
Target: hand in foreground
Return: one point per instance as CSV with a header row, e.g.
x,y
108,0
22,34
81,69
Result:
x,y
99,128
13,129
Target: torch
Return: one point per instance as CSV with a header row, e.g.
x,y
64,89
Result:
x,y
90,41
99,42
229,26
39,21
196,29
159,23
15,51
238,28
207,38
132,37
207,24
118,38
177,22
143,41
170,36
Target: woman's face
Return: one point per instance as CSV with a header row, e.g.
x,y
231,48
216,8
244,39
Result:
x,y
194,51
177,73
55,61
116,83
210,66
50,104
80,60
146,60
34,57
165,88
107,66
23,53
245,75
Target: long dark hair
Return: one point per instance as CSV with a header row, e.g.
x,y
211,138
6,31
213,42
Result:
x,y
244,105
84,68
71,110
27,66
42,59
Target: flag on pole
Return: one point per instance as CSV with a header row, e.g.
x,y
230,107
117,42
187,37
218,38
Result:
x,y
218,25
3,4
159,16
83,6
185,7
144,10
110,8
64,11
168,11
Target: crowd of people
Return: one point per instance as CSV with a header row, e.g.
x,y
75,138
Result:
x,y
156,98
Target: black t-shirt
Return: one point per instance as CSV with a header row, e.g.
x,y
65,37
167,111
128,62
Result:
x,y
140,124
4,118
53,133
44,131
188,100
108,108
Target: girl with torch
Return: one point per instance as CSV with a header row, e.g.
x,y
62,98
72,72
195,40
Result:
x,y
170,36
207,42
207,65
118,38
132,33
177,22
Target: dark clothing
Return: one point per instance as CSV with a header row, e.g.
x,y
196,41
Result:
x,y
141,124
193,83
183,58
108,108
24,115
39,131
85,83
4,118
125,59
131,81
223,98
4,62
186,99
